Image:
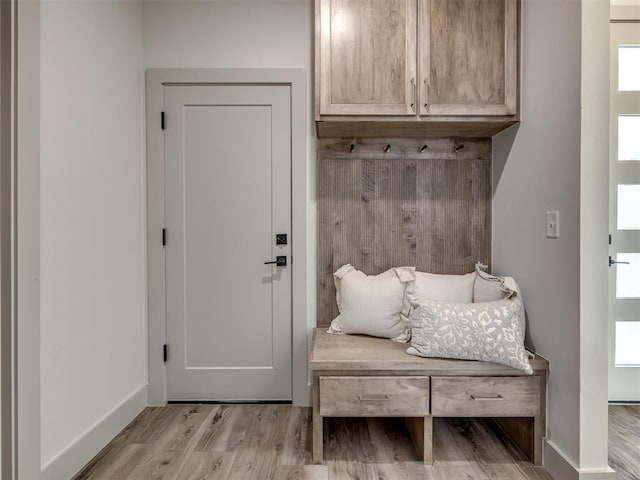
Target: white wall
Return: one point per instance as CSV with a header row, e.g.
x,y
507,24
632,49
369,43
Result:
x,y
240,34
93,324
536,169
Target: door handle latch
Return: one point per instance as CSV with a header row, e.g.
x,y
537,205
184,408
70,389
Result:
x,y
281,261
612,262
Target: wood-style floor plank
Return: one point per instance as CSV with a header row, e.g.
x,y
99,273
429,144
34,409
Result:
x,y
302,472
273,442
226,429
298,439
207,465
624,441
129,454
178,440
259,452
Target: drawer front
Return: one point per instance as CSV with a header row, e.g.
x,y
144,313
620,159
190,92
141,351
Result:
x,y
374,396
485,396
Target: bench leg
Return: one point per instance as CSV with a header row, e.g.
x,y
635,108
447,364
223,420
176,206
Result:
x,y
428,440
318,454
538,436
318,435
421,431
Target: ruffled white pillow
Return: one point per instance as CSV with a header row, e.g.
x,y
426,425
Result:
x,y
490,331
445,288
374,305
488,288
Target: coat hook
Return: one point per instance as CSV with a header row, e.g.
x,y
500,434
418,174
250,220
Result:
x,y
459,147
423,147
352,148
387,148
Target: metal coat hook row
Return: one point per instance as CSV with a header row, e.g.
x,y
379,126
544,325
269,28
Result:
x,y
387,148
458,148
423,147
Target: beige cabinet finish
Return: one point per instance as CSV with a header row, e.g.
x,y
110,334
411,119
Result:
x,y
468,57
366,57
355,375
364,396
449,67
485,396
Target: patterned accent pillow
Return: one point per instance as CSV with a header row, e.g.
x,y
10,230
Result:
x,y
490,332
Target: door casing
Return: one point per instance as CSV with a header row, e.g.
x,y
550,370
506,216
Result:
x,y
156,79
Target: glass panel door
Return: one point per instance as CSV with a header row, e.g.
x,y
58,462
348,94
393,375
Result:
x,y
624,272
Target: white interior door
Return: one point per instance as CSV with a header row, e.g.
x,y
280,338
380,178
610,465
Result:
x,y
228,193
624,278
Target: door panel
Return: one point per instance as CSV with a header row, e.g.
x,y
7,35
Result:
x,y
468,57
368,57
624,278
227,195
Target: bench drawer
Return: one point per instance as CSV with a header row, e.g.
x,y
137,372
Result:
x,y
485,396
374,396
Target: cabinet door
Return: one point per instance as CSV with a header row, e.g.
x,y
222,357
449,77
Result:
x,y
367,57
468,52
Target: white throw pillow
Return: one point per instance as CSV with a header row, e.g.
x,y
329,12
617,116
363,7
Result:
x,y
446,288
490,331
373,304
489,288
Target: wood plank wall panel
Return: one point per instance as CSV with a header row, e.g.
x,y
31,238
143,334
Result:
x,y
377,210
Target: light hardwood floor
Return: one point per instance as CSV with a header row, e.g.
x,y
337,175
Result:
x,y
260,442
624,441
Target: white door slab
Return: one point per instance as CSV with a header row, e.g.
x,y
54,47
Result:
x,y
227,194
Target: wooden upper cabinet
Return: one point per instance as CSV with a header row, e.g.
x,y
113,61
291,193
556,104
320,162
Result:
x,y
417,67
468,57
367,57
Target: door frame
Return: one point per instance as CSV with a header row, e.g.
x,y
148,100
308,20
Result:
x,y
156,79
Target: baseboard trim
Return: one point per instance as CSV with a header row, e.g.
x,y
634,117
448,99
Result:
x,y
560,467
608,474
73,458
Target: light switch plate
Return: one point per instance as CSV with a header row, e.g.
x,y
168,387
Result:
x,y
553,224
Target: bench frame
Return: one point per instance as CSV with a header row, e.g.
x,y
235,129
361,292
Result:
x,y
519,412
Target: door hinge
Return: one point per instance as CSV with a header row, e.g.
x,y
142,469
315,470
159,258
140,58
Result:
x,y
165,352
164,237
609,239
162,120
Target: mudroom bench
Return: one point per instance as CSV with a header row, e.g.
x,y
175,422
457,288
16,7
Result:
x,y
359,376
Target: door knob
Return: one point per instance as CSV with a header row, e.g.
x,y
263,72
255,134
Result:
x,y
613,262
280,261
